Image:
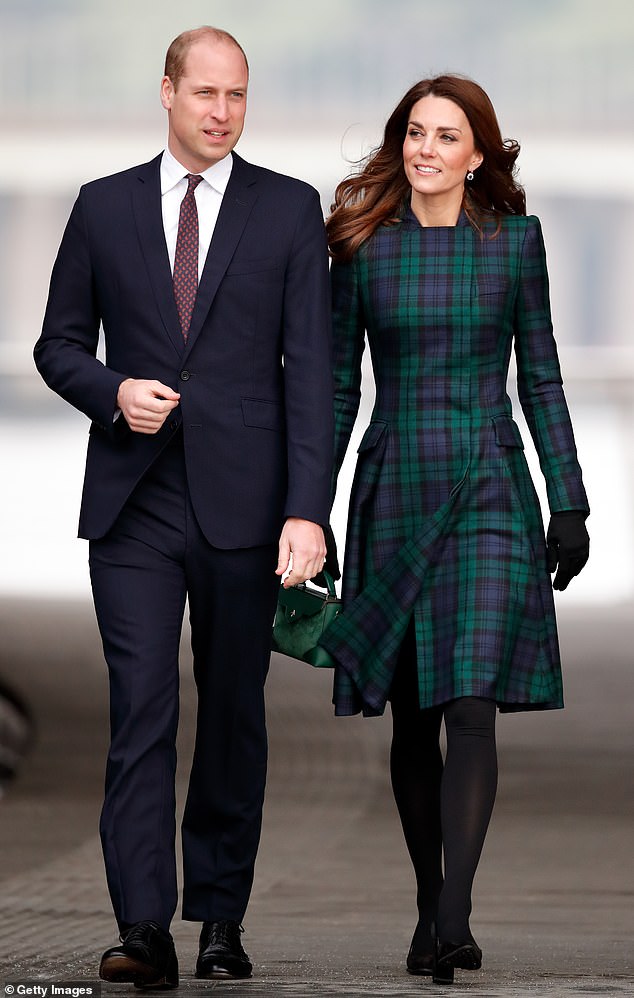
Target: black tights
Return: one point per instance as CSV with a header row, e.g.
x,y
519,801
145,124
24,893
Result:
x,y
444,808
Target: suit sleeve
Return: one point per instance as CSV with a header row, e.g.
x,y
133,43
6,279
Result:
x,y
307,357
348,346
539,380
65,354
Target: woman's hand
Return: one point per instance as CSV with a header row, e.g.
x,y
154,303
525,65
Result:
x,y
568,546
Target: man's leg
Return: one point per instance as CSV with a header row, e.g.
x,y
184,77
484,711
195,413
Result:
x,y
232,597
139,592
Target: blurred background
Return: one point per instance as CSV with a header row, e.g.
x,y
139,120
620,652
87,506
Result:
x,y
79,99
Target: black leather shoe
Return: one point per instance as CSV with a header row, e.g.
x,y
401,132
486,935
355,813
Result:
x,y
220,953
145,957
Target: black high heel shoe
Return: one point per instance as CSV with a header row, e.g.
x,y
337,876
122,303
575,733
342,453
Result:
x,y
420,959
448,956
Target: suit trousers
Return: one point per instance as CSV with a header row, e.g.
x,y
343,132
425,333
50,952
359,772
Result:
x,y
153,560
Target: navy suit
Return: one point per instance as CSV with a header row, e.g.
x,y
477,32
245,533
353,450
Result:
x,y
195,510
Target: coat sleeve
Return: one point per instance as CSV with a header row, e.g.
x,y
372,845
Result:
x,y
65,354
539,379
307,342
348,346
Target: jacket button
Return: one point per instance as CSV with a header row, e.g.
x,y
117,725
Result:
x,y
174,424
185,375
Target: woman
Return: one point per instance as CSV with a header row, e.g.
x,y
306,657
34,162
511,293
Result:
x,y
448,607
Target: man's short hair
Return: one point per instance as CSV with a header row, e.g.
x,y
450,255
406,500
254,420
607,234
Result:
x,y
177,52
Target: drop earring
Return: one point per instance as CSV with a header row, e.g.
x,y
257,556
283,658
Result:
x,y
470,175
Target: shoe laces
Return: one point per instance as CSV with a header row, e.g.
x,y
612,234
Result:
x,y
225,933
137,935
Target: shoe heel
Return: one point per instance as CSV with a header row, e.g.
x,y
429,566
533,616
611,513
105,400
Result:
x,y
442,975
166,983
442,970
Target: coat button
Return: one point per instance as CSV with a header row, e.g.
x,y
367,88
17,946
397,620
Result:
x,y
185,375
174,424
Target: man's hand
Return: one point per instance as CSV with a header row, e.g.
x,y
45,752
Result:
x,y
303,547
145,404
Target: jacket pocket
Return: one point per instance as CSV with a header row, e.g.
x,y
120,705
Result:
x,y
507,432
253,267
490,284
264,414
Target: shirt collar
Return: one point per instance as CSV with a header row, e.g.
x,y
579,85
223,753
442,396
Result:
x,y
172,172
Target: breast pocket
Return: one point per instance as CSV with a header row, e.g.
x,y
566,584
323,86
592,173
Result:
x,y
255,266
490,284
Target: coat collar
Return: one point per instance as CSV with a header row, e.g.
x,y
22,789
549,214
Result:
x,y
410,221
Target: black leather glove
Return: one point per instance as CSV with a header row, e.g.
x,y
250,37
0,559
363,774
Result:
x,y
331,564
568,546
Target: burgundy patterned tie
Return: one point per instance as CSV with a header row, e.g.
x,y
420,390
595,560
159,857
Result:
x,y
186,256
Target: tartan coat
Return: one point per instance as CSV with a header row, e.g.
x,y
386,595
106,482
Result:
x,y
445,525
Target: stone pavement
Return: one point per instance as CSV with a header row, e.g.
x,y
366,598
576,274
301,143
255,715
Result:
x,y
333,905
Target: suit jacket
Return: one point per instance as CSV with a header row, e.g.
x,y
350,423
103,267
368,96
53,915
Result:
x,y
254,375
445,525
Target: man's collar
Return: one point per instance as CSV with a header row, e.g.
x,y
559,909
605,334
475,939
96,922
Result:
x,y
172,172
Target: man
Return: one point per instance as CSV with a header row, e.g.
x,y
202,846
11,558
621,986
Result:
x,y
207,478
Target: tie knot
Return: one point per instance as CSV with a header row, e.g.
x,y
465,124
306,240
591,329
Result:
x,y
193,180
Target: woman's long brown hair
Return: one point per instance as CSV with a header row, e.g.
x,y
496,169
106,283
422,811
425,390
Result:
x,y
378,193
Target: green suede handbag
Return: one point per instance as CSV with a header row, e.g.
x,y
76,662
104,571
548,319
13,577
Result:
x,y
303,614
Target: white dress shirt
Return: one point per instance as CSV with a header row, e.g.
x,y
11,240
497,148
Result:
x,y
208,196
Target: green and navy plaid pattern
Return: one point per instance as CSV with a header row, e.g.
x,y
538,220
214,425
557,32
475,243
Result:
x,y
445,525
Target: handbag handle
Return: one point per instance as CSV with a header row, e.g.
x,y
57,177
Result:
x,y
330,583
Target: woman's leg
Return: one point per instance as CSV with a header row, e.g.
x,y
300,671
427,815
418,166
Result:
x,y
468,793
416,768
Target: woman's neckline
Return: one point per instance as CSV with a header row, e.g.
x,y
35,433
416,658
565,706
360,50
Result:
x,y
413,220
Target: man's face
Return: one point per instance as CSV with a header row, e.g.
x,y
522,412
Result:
x,y
206,109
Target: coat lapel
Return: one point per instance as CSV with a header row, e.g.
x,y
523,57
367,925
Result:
x,y
238,200
146,204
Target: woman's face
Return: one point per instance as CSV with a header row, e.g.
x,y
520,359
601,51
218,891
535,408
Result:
x,y
438,150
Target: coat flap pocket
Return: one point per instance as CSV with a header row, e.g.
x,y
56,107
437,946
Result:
x,y
372,435
507,432
253,266
490,284
263,413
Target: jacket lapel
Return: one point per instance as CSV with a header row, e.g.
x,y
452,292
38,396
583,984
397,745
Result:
x,y
238,200
239,197
146,205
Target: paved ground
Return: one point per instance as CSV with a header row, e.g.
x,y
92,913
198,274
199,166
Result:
x,y
333,907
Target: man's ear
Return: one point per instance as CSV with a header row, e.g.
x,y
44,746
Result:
x,y
167,92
